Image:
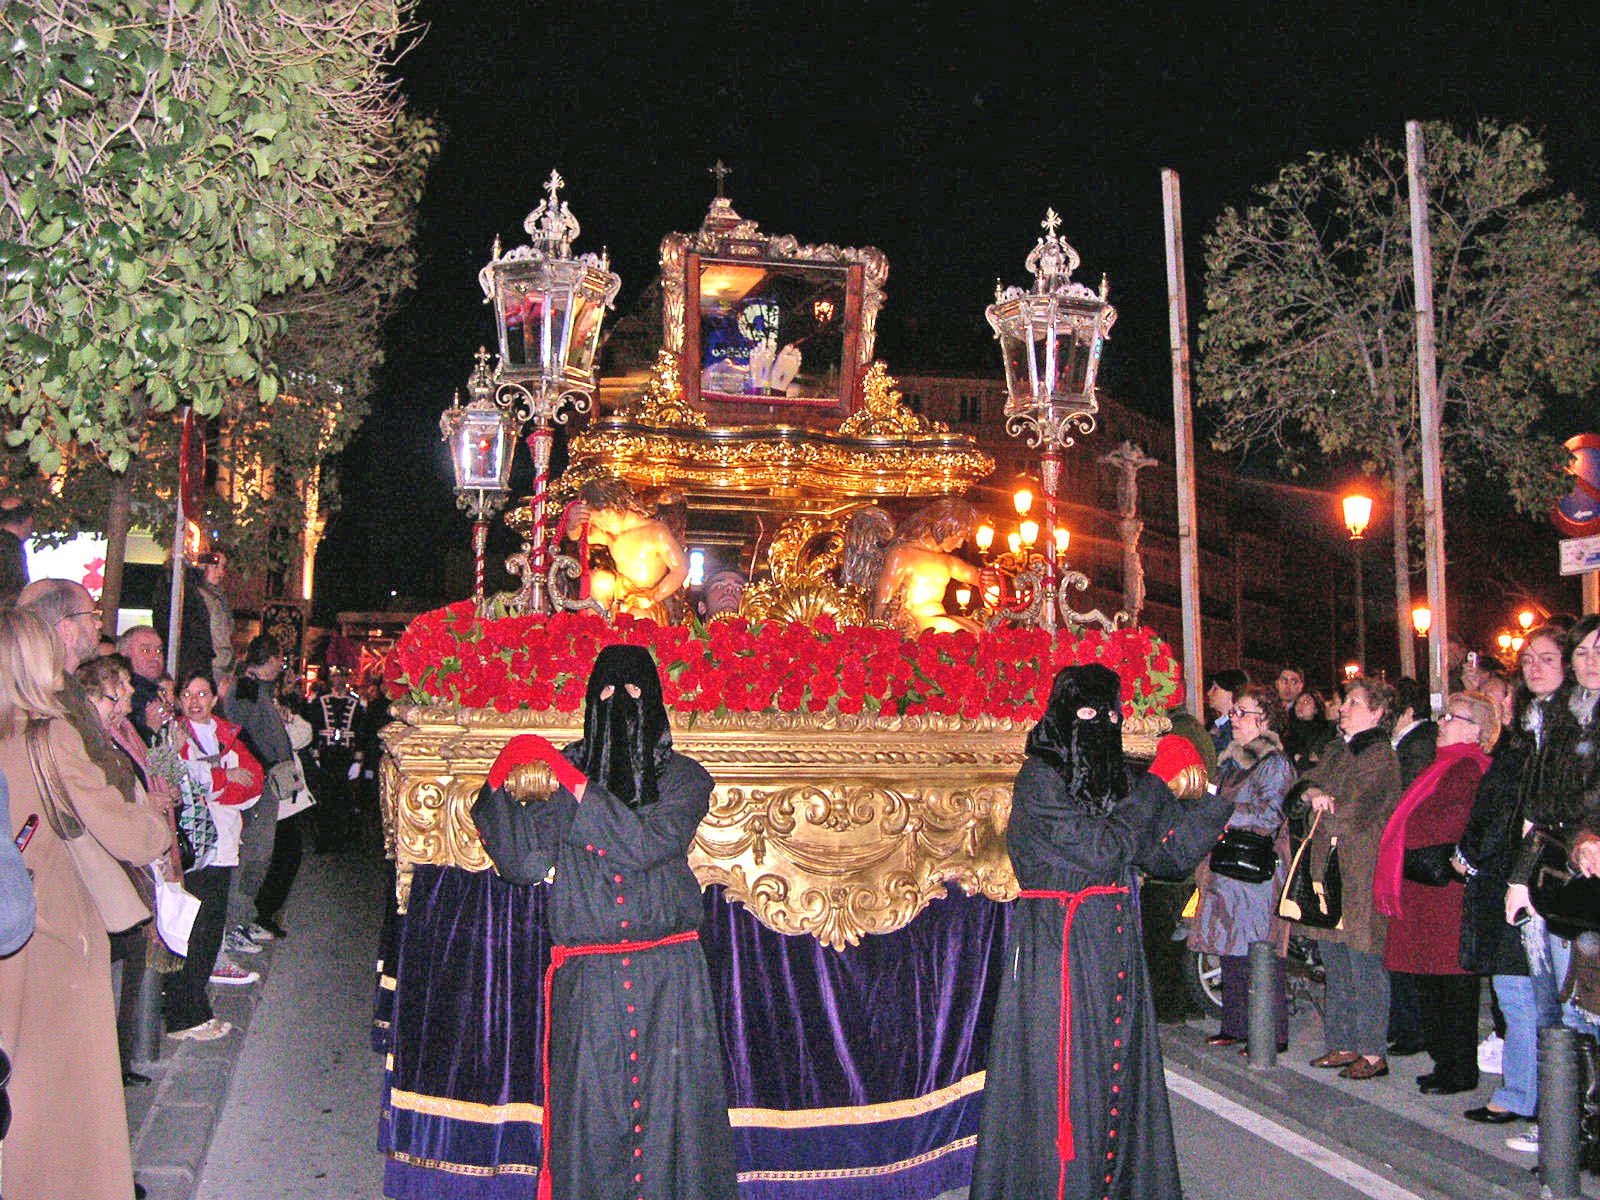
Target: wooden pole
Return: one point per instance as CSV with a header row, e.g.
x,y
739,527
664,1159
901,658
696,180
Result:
x,y
1428,411
1183,445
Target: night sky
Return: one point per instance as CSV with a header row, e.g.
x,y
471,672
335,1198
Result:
x,y
939,139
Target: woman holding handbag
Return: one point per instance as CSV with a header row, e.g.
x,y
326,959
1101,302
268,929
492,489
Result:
x,y
1420,892
1236,907
1352,791
232,779
69,1134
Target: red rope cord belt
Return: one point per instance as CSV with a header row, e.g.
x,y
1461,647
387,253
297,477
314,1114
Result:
x,y
558,956
1068,901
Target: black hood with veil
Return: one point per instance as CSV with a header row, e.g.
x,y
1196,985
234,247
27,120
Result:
x,y
1085,750
626,740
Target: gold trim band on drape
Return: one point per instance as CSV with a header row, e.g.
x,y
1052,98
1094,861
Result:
x,y
858,1172
466,1110
861,1114
740,1118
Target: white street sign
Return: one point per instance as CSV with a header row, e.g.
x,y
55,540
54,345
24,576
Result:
x,y
1579,556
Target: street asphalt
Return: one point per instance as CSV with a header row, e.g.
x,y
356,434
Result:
x,y
285,1108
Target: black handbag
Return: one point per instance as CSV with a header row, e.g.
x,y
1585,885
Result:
x,y
1244,855
1317,903
1430,865
1568,901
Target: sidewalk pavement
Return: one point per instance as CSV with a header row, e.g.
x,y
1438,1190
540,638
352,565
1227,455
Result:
x,y
286,1106
1421,1142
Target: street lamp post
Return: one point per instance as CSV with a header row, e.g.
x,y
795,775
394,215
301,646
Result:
x,y
1051,337
548,308
1357,515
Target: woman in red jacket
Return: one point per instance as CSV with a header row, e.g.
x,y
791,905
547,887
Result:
x,y
231,779
1416,887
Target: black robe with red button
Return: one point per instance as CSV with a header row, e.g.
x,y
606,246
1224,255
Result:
x,y
636,1083
1122,1127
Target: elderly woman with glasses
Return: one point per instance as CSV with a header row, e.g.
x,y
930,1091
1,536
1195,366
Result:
x,y
1353,790
1254,774
1421,893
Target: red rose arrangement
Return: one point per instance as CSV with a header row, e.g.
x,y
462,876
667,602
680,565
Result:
x,y
452,655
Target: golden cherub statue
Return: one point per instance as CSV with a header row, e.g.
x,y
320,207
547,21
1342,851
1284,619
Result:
x,y
650,561
919,566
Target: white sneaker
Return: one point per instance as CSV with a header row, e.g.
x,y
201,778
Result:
x,y
1491,1052
232,974
206,1031
238,942
1527,1142
259,933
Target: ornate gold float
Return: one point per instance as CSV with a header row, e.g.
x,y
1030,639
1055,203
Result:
x,y
822,824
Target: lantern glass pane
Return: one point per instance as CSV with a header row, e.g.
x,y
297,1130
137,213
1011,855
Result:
x,y
481,450
522,308
584,343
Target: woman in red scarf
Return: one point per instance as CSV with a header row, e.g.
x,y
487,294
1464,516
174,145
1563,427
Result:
x,y
1416,887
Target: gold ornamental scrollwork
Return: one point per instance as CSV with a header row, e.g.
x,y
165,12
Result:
x,y
883,412
663,402
805,461
832,826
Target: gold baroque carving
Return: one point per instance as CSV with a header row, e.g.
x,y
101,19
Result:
x,y
821,824
883,412
663,403
736,458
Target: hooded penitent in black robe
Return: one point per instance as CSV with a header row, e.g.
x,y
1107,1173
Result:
x,y
1080,821
635,1084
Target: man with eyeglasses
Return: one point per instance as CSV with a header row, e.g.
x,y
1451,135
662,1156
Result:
x,y
68,609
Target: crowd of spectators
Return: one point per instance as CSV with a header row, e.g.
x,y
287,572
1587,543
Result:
x,y
1436,827
202,780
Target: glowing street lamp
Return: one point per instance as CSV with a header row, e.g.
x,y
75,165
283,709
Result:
x,y
1357,514
1421,619
1525,619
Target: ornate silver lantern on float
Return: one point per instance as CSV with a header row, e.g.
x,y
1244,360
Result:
x,y
1051,337
482,438
548,308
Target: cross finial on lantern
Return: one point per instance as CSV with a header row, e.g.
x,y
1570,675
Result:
x,y
480,386
551,226
721,171
1051,222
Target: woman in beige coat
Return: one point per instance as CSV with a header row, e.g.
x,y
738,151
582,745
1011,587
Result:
x,y
1354,789
69,1130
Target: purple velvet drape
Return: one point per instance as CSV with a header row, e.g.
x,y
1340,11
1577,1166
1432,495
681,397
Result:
x,y
885,1037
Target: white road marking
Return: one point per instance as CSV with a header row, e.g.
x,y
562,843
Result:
x,y
1327,1161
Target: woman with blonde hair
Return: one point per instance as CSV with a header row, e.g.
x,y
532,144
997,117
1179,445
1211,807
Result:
x,y
69,1132
1421,893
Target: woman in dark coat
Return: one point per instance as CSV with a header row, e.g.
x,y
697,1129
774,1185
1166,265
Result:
x,y
1354,789
634,1104
1566,787
1255,775
1489,944
1075,1104
1421,895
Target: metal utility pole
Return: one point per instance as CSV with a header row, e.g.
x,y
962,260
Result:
x,y
1428,409
1183,444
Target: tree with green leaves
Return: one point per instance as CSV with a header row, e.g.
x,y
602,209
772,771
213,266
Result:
x,y
1308,347
180,180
